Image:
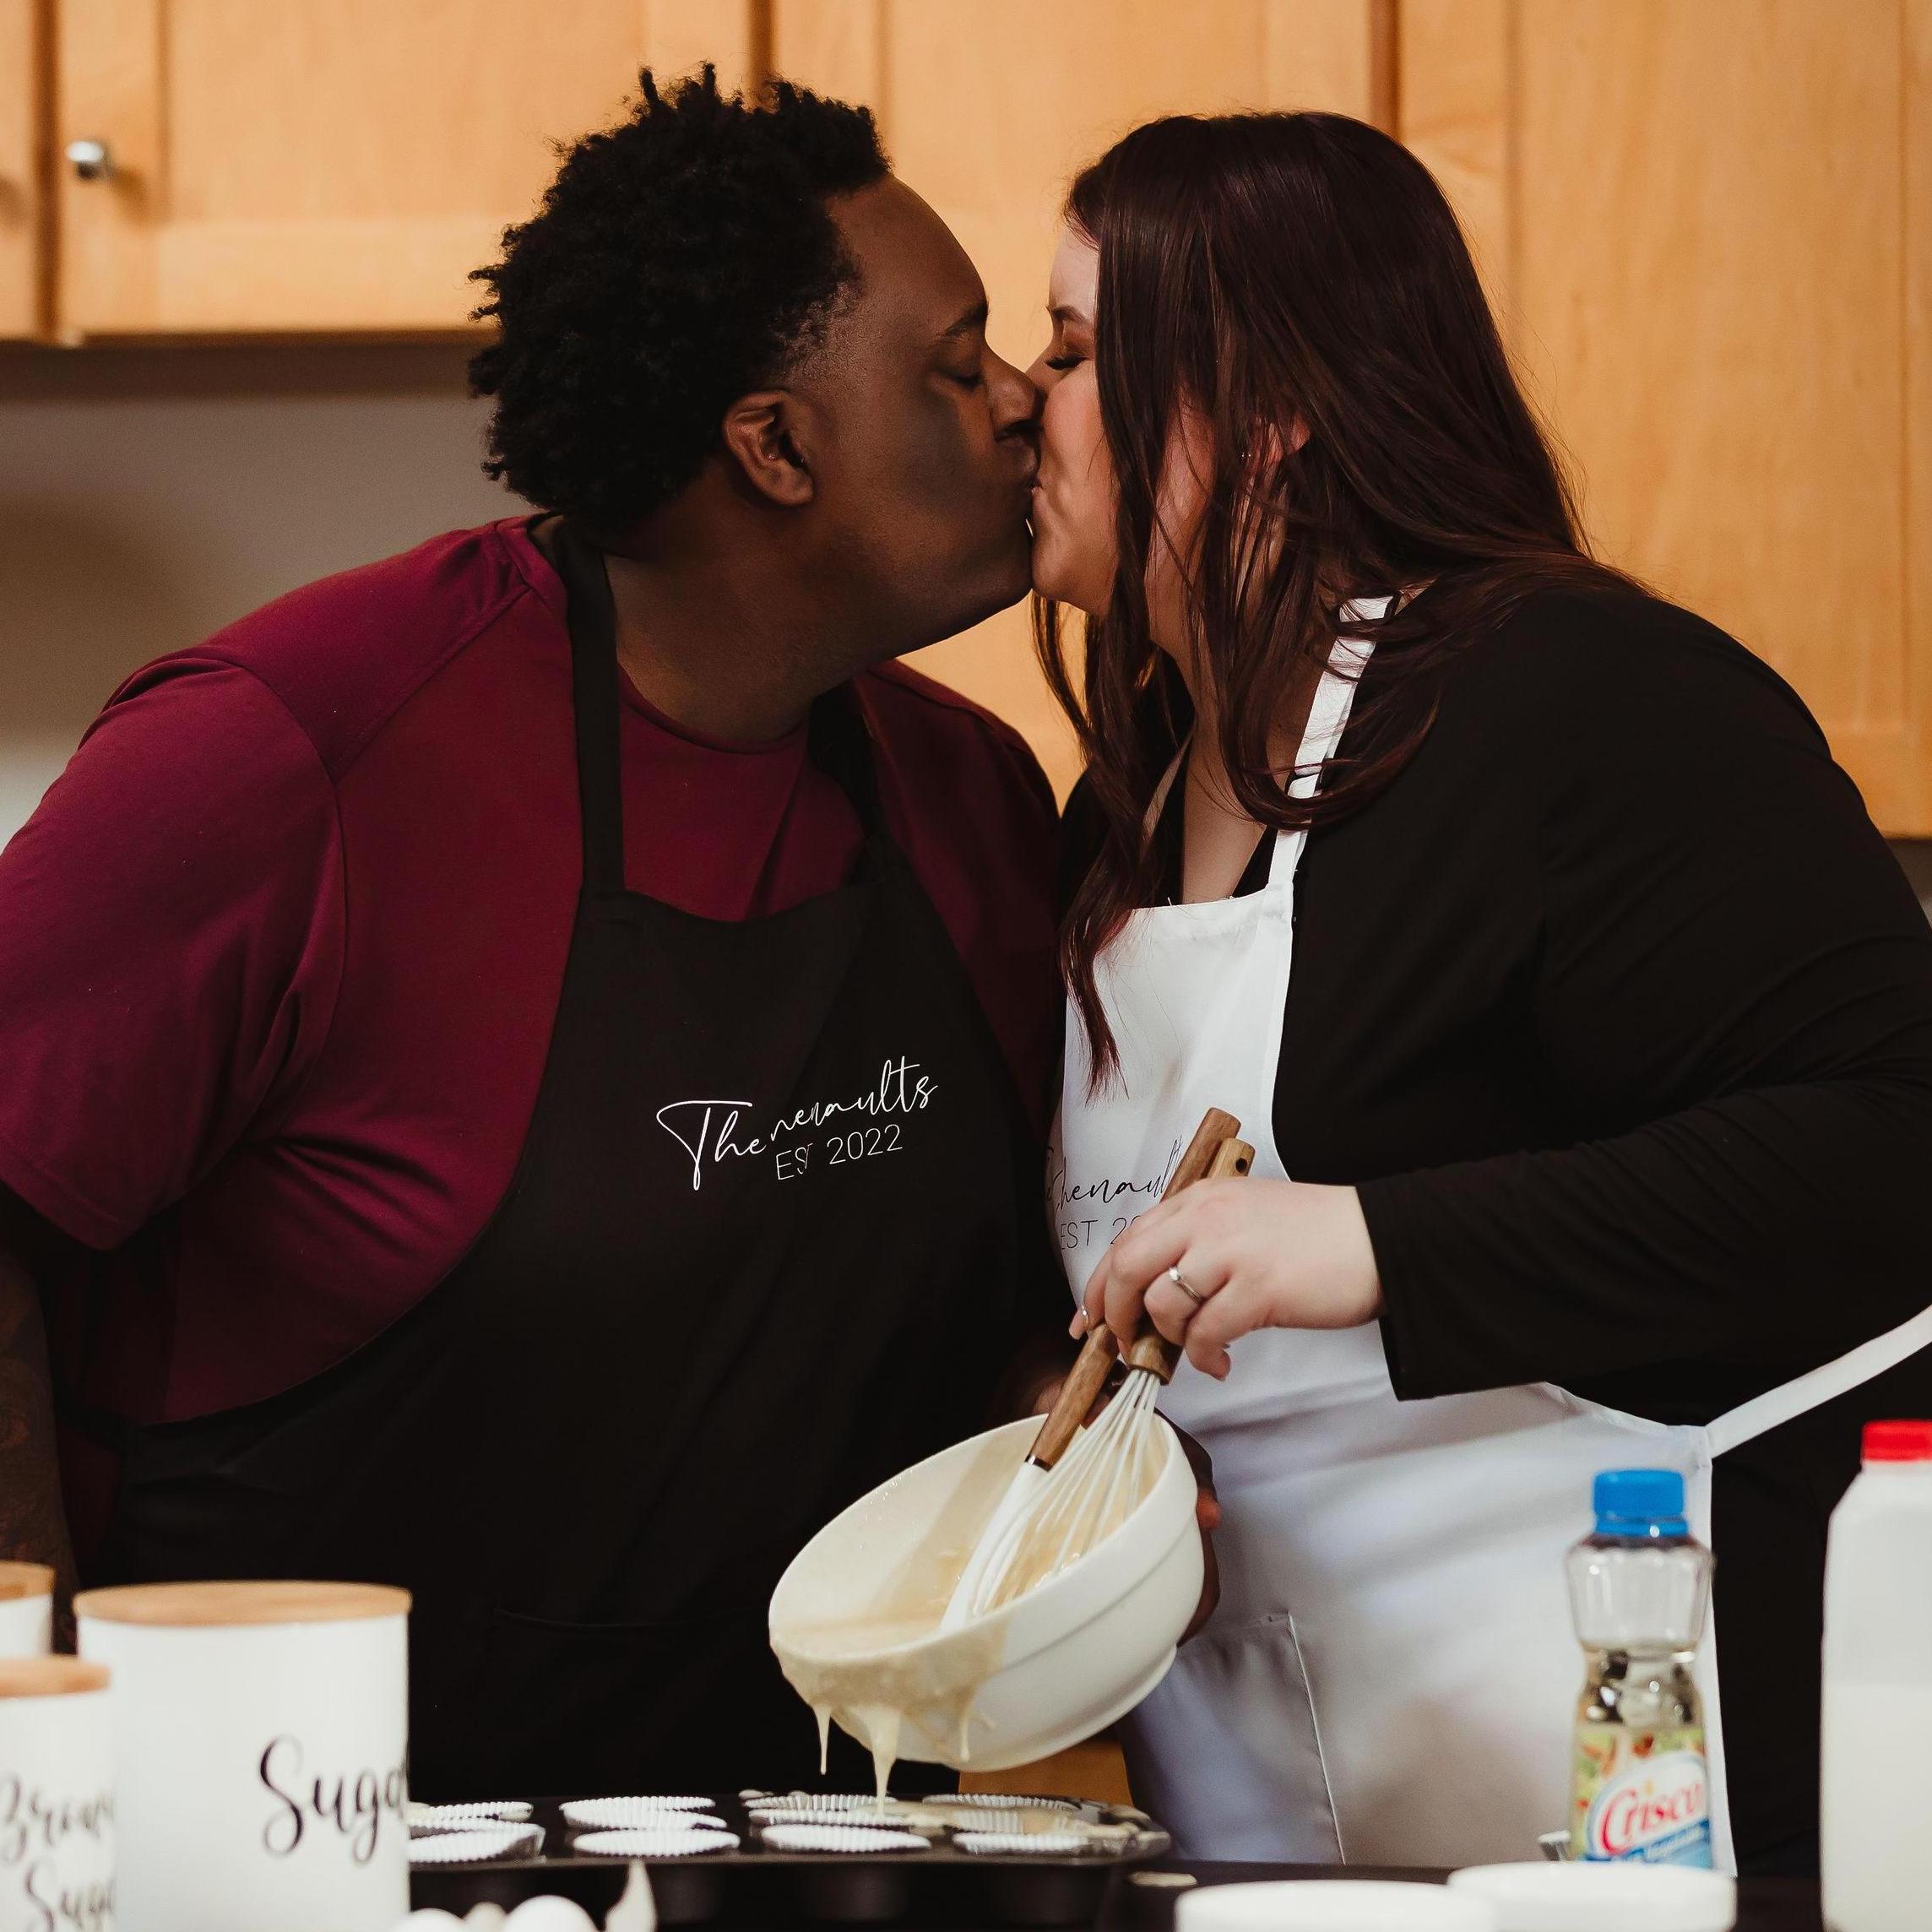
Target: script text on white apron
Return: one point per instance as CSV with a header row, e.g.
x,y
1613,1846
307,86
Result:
x,y
1079,1230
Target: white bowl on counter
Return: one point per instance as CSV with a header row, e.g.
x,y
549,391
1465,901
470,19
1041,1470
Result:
x,y
1605,1897
1332,1905
1032,1677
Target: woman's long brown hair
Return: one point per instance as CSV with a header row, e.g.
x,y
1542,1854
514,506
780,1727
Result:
x,y
1263,271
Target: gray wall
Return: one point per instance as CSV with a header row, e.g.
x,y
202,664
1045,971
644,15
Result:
x,y
147,496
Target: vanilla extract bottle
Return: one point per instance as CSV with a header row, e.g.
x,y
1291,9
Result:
x,y
1640,1588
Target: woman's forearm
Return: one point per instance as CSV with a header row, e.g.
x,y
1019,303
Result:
x,y
1776,1228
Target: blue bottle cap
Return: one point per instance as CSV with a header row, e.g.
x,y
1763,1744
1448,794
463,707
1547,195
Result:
x,y
1640,1503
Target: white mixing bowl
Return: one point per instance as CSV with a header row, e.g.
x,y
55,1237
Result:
x,y
1042,1673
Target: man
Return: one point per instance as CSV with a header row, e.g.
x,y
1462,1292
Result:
x,y
520,1065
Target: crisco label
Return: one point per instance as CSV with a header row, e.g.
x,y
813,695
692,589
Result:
x,y
1642,1795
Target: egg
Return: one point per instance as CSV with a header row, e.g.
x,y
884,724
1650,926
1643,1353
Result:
x,y
550,1915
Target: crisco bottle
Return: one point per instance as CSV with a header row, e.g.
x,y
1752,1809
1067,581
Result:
x,y
1639,1588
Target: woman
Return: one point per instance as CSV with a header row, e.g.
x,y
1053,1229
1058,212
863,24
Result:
x,y
1604,1074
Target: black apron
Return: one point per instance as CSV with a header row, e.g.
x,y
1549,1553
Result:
x,y
760,1251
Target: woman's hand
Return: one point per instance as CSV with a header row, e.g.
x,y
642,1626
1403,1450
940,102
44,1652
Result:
x,y
1260,1253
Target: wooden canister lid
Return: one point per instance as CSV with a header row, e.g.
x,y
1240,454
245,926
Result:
x,y
49,1676
19,1580
187,1605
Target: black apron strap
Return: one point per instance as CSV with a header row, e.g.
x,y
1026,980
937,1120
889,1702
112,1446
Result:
x,y
593,686
837,738
840,744
100,1426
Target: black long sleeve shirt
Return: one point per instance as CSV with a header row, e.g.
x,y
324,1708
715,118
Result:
x,y
1617,1012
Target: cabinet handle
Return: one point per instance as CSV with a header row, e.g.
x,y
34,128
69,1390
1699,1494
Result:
x,y
93,160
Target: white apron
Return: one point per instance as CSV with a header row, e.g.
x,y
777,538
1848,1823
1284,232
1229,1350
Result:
x,y
1391,1674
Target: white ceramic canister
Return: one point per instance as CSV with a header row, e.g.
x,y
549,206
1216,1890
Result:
x,y
261,1736
56,1796
26,1609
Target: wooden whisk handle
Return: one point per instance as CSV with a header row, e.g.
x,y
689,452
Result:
x,y
1088,1375
1077,1394
1151,1350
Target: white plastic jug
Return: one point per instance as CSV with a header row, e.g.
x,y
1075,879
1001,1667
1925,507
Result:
x,y
1875,1803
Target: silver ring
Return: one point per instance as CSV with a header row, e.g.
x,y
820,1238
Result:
x,y
1199,1299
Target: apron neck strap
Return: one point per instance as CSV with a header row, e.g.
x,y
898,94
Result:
x,y
594,692
1328,718
838,739
839,742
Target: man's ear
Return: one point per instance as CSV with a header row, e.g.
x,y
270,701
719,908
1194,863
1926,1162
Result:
x,y
763,436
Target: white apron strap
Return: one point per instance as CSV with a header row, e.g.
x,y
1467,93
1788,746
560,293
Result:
x,y
1821,1385
1157,804
1777,1406
1328,718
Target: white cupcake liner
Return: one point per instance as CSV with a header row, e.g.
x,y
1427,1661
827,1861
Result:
x,y
701,1822
668,1843
473,1847
1042,1821
621,1812
917,1814
448,1817
850,1840
1026,1844
914,1813
896,1814
818,1810
817,1802
798,1815
997,1801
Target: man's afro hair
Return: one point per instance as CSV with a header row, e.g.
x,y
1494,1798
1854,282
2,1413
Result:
x,y
678,262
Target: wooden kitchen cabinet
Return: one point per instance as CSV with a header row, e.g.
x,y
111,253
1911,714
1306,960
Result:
x,y
990,109
1708,224
1708,227
328,164
22,228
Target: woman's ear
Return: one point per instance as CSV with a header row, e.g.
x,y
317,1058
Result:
x,y
1278,446
763,437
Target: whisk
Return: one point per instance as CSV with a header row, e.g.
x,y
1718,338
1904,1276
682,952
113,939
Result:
x,y
1077,1485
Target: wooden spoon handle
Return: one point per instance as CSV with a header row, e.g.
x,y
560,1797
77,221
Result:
x,y
1150,1349
1088,1375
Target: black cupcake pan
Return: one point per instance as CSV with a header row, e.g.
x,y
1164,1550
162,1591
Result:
x,y
757,1884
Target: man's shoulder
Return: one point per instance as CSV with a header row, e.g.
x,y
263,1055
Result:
x,y
342,654
923,723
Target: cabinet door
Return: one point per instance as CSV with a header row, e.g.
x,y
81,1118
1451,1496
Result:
x,y
989,109
1709,228
330,164
21,229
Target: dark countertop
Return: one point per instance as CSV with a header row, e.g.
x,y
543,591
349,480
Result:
x,y
1764,1905
881,1893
